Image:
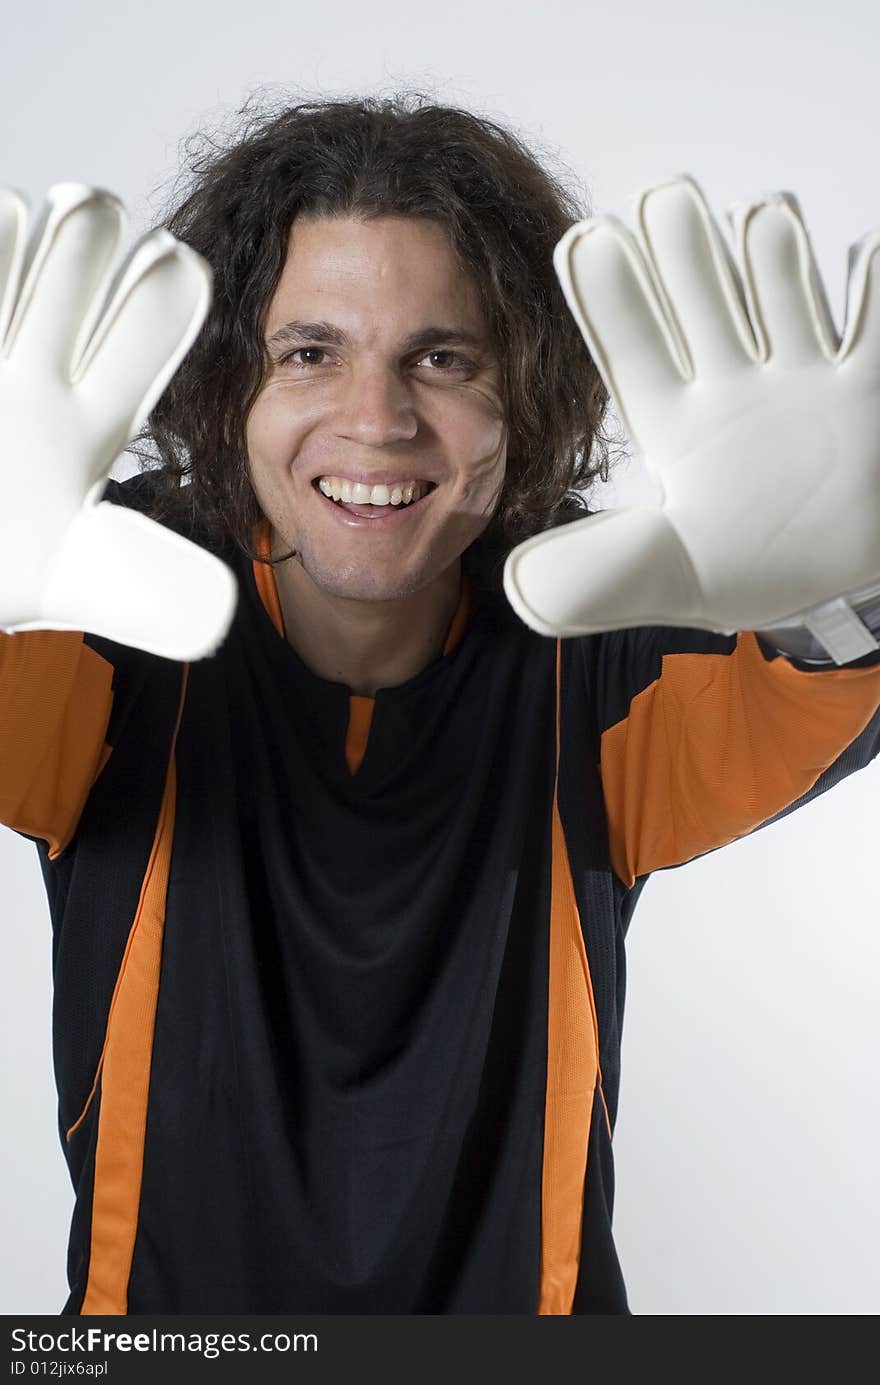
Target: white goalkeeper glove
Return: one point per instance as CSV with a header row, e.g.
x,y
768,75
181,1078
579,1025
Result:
x,y
760,426
76,381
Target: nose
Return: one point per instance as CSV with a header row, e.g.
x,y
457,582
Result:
x,y
376,407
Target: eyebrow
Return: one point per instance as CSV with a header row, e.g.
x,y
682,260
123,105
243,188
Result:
x,y
335,336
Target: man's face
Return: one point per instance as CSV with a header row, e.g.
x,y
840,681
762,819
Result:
x,y
381,375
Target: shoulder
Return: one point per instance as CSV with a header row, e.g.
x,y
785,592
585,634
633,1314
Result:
x,y
137,492
149,493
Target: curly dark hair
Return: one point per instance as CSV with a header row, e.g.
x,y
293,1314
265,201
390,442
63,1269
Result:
x,y
234,201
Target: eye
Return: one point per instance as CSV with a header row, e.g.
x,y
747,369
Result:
x,y
304,351
453,361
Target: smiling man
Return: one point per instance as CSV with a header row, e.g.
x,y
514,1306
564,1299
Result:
x,y
340,911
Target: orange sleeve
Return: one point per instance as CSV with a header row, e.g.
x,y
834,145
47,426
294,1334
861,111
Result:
x,y
717,744
55,702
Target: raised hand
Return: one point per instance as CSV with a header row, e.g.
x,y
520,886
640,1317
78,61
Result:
x,y
77,378
760,425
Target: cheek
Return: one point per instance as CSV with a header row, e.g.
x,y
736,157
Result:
x,y
483,461
270,442
476,440
270,431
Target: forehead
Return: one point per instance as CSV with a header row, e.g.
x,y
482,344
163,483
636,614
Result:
x,y
401,267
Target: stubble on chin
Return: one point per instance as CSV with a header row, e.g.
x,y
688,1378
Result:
x,y
358,583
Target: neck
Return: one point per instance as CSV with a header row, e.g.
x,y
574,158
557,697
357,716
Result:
x,y
366,645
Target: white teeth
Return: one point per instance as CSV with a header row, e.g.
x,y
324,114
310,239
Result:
x,y
358,493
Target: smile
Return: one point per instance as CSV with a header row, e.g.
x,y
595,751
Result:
x,y
356,501
403,493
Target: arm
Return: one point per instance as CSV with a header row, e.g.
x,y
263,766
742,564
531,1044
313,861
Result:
x,y
85,586
761,427
65,697
55,702
704,738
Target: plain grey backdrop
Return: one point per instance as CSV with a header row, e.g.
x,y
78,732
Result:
x,y
748,1131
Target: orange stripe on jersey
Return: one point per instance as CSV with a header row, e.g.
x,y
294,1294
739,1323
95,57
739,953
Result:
x,y
718,744
55,701
572,1072
124,1069
360,719
264,576
462,615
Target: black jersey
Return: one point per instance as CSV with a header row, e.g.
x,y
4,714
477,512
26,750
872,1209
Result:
x,y
339,982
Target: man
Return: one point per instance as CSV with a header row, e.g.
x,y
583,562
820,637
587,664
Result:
x,y
340,910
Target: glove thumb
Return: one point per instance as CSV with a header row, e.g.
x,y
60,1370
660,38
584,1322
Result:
x,y
123,576
615,569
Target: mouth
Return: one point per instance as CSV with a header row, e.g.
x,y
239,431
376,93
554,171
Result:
x,y
382,502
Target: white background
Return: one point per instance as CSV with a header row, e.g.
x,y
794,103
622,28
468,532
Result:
x,y
748,1134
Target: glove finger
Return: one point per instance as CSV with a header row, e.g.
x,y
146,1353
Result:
x,y
787,302
617,569
697,281
157,307
861,337
13,235
612,299
68,264
123,576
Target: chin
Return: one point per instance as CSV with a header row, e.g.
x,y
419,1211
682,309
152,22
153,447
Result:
x,y
359,583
